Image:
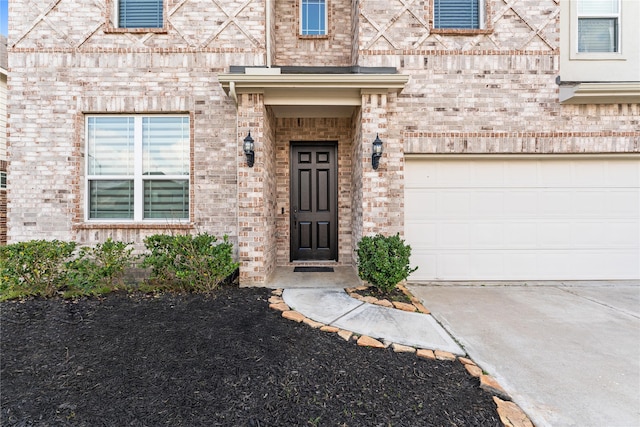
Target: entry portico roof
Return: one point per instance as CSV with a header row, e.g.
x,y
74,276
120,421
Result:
x,y
310,88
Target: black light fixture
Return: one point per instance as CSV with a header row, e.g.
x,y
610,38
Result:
x,y
376,152
247,146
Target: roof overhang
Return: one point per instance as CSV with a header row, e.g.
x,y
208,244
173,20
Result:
x,y
311,89
600,93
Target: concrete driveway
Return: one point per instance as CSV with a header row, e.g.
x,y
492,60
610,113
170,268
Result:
x,y
568,354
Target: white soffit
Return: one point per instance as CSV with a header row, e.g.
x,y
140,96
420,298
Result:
x,y
601,93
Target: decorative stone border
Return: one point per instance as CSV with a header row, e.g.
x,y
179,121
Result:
x,y
510,414
414,306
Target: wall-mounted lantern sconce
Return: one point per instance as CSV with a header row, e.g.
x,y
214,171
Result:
x,y
377,152
247,146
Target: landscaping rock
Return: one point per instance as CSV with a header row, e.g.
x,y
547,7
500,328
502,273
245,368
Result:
x,y
365,341
489,384
511,415
293,315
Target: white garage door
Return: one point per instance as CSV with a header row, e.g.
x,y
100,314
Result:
x,y
523,218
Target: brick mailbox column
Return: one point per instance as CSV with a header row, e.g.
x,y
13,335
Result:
x,y
382,189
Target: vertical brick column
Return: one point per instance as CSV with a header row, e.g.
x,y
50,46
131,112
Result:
x,y
382,189
252,220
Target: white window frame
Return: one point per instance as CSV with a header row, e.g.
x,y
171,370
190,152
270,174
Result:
x,y
482,18
575,16
326,20
138,177
116,16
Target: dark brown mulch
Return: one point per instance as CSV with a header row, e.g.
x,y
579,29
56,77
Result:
x,y
393,295
227,360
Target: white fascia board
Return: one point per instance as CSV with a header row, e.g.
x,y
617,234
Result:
x,y
601,93
313,89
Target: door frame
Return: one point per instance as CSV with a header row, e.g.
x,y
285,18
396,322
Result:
x,y
335,249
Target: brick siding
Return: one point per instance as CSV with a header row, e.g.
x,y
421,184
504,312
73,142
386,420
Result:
x,y
471,92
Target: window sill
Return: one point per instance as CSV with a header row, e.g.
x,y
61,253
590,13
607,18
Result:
x,y
313,37
461,31
112,30
597,56
136,226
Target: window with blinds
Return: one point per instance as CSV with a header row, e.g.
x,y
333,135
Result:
x,y
140,14
138,167
313,17
598,25
461,14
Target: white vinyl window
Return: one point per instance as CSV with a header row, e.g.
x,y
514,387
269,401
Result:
x,y
139,13
458,14
137,167
313,17
598,26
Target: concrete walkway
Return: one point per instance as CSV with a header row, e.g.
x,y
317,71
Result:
x,y
334,307
569,355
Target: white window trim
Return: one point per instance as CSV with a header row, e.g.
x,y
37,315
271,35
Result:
x,y
482,18
326,20
138,177
574,54
116,16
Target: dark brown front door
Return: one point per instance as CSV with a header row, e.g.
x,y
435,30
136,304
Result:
x,y
314,214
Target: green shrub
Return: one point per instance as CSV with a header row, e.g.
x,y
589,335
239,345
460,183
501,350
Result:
x,y
99,269
190,263
36,267
384,261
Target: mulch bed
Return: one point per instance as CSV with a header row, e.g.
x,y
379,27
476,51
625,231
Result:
x,y
221,360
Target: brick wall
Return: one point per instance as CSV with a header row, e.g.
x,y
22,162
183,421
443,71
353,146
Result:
x,y
489,91
59,74
334,49
383,189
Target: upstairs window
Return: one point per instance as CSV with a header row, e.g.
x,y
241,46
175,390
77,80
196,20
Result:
x,y
598,25
458,14
138,168
140,14
313,17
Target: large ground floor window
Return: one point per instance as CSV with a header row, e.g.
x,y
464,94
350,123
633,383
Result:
x,y
137,167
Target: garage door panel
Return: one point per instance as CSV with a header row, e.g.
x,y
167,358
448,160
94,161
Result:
x,y
506,219
453,204
452,174
623,174
419,203
623,204
487,235
483,175
521,203
453,235
520,235
484,264
486,204
590,203
454,263
424,235
554,235
521,174
589,174
555,174
555,203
